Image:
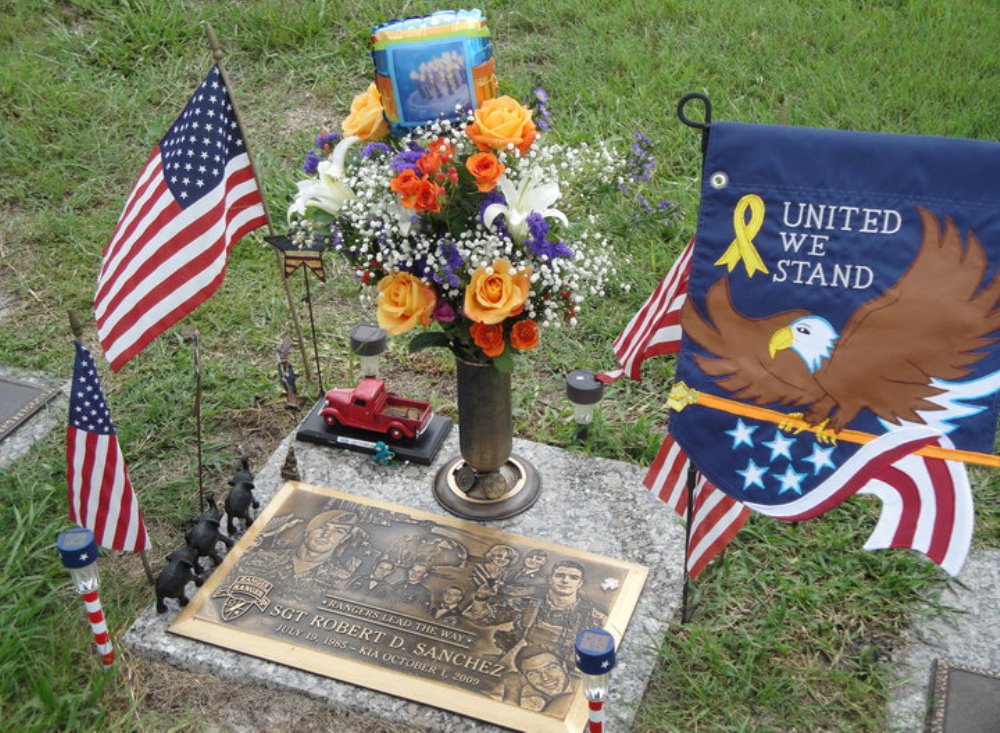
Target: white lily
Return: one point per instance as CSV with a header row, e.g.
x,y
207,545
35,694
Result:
x,y
527,198
327,192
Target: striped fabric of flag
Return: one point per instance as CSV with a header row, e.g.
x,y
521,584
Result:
x,y
716,517
655,330
926,502
194,199
100,492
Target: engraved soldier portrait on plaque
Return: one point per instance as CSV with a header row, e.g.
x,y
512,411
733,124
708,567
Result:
x,y
442,611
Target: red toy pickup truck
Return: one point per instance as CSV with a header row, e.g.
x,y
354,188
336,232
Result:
x,y
369,407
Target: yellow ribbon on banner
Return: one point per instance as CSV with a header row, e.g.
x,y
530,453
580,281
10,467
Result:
x,y
681,396
742,248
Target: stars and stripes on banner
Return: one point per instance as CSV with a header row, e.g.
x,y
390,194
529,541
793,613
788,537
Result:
x,y
194,199
926,502
99,490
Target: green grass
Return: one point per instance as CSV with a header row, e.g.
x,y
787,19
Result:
x,y
796,624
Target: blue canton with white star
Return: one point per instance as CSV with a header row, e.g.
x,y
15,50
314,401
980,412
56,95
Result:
x,y
87,409
201,142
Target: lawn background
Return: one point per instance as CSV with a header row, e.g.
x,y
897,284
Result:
x,y
797,625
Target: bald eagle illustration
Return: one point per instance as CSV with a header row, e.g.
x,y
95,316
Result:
x,y
893,357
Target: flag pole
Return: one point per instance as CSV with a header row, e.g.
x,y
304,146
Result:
x,y
217,54
312,327
691,480
77,330
197,417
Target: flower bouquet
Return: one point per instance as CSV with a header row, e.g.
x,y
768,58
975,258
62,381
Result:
x,y
462,219
472,226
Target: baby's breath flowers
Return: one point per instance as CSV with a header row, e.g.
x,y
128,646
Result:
x,y
478,229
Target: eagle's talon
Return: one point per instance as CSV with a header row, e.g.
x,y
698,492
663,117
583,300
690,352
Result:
x,y
789,425
825,436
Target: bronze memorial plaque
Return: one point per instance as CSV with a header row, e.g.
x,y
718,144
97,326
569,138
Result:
x,y
439,610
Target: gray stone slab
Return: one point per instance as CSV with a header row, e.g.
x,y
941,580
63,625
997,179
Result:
x,y
53,413
592,504
970,637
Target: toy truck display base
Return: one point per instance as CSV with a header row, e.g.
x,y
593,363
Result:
x,y
420,450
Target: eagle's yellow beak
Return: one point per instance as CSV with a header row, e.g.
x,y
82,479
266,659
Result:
x,y
780,339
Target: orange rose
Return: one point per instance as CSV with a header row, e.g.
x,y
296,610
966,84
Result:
x,y
366,119
493,296
524,335
428,197
429,163
406,183
486,169
488,337
404,300
416,192
502,121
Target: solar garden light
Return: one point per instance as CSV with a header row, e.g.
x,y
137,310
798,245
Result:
x,y
584,391
78,552
369,341
595,658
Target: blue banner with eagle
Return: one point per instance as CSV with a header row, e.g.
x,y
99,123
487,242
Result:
x,y
840,329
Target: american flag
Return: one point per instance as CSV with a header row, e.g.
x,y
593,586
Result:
x,y
100,492
194,199
654,331
715,517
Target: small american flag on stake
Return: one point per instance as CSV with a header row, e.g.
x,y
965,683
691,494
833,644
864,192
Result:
x,y
100,492
195,198
655,331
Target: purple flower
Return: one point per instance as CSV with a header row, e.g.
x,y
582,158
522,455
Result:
x,y
311,163
372,148
540,104
418,268
641,160
327,138
407,159
539,243
443,311
453,263
499,223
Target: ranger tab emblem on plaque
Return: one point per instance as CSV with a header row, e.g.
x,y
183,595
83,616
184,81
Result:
x,y
246,591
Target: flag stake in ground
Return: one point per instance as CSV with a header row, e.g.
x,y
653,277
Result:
x,y
99,490
310,260
217,54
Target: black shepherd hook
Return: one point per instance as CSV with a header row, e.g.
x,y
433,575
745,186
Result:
x,y
703,126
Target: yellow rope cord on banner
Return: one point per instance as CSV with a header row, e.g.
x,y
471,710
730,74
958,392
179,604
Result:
x,y
682,396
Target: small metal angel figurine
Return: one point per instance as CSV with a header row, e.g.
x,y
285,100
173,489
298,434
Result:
x,y
287,376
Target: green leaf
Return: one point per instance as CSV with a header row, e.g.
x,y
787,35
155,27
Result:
x,y
427,340
505,362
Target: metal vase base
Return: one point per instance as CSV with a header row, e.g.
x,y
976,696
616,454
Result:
x,y
466,493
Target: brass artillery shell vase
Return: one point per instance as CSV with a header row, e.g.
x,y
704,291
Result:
x,y
488,481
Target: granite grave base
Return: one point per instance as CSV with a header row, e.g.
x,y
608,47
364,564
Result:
x,y
592,504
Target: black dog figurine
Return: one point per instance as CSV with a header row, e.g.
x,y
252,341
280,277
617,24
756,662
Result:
x,y
240,498
206,532
182,567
